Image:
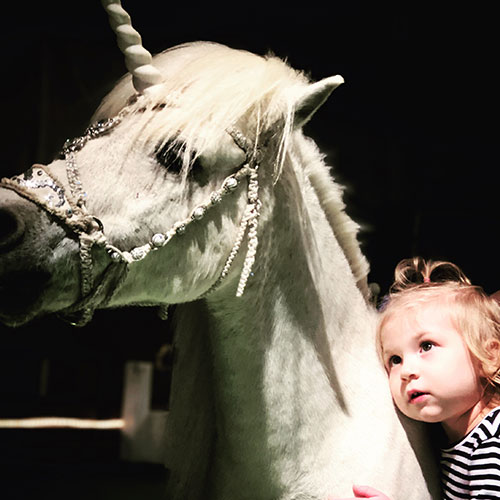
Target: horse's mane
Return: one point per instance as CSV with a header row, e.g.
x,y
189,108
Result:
x,y
330,196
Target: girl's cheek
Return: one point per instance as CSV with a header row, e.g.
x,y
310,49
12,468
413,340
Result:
x,y
394,385
391,385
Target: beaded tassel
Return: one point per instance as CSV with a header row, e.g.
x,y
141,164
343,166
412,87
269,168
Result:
x,y
252,219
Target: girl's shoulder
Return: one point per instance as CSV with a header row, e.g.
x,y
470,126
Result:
x,y
490,425
486,432
486,435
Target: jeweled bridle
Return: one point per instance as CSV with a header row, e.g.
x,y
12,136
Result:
x,y
70,209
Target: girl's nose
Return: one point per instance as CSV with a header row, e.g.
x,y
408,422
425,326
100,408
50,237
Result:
x,y
409,369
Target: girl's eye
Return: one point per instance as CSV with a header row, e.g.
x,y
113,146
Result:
x,y
426,346
394,360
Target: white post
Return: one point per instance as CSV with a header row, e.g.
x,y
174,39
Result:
x,y
143,431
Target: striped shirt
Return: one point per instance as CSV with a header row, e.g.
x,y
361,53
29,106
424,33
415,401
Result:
x,y
471,468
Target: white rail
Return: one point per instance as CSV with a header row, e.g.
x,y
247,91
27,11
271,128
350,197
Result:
x,y
142,429
61,422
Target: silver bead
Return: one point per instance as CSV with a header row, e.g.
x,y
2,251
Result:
x,y
198,213
230,184
115,257
158,240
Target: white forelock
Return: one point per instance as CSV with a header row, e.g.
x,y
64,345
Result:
x,y
208,88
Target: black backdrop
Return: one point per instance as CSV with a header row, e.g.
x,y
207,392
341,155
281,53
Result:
x,y
412,134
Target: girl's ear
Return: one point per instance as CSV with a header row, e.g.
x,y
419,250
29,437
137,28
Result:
x,y
490,369
493,350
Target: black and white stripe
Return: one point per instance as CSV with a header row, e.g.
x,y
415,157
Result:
x,y
471,468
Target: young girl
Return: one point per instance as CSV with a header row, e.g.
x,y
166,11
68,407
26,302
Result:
x,y
439,339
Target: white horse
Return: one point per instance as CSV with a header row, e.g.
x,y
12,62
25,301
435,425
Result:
x,y
197,187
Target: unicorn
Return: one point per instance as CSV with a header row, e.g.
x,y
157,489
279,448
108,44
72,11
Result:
x,y
194,185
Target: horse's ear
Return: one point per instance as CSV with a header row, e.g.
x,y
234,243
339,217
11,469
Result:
x,y
312,98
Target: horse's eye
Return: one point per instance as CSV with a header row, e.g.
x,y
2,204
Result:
x,y
170,157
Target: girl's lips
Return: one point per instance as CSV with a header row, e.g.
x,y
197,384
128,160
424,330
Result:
x,y
416,396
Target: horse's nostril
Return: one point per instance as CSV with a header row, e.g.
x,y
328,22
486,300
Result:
x,y
11,228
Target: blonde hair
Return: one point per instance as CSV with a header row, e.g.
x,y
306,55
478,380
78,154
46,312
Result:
x,y
474,313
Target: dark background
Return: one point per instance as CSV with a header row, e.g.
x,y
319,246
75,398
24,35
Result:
x,y
412,134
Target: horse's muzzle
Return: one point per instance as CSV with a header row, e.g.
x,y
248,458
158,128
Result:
x,y
23,262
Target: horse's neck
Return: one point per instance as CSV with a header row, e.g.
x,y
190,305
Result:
x,y
277,383
276,386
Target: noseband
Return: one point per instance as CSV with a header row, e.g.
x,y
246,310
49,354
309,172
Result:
x,y
69,208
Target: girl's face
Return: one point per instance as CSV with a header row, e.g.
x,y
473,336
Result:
x,y
432,375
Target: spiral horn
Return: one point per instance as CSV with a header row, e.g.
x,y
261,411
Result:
x,y
137,59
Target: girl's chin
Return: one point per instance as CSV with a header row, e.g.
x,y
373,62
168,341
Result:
x,y
422,415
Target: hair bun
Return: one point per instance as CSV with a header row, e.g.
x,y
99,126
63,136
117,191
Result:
x,y
417,271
